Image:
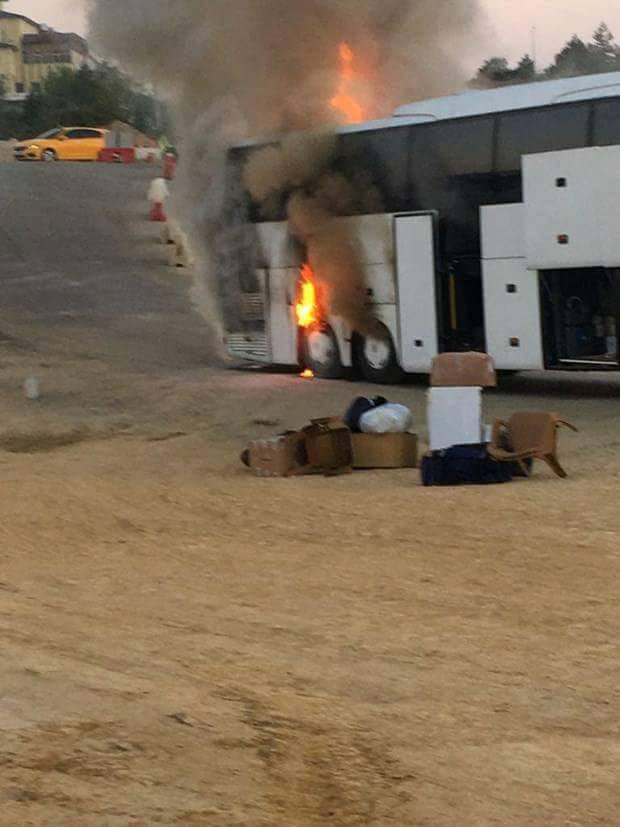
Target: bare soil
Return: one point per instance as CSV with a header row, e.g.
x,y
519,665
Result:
x,y
183,643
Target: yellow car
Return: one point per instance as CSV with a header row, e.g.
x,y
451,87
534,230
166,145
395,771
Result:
x,y
68,143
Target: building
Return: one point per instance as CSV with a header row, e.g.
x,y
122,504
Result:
x,y
29,51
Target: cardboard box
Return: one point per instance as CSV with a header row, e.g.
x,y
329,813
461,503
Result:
x,y
454,417
281,456
460,370
328,442
385,450
322,447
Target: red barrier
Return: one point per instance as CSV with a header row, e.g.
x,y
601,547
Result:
x,y
117,155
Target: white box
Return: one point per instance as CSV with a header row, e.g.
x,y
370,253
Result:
x,y
454,417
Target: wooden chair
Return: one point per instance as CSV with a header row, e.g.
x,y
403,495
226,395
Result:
x,y
528,435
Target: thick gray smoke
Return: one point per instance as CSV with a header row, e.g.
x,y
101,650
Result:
x,y
243,68
299,166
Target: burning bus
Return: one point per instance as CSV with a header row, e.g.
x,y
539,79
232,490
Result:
x,y
484,221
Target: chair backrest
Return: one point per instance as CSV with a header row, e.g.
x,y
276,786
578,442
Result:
x,y
534,431
459,370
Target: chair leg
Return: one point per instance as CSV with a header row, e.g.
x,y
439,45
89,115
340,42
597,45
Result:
x,y
524,468
553,463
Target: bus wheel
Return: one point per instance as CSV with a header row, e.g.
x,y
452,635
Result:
x,y
376,357
320,352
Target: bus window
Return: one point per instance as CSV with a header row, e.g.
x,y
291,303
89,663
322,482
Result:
x,y
450,169
526,133
607,122
381,156
463,147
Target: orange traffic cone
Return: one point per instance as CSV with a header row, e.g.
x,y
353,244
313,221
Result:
x,y
157,212
158,192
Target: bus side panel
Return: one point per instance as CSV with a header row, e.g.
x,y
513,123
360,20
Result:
x,y
417,302
342,331
372,237
380,283
275,245
388,314
512,314
282,323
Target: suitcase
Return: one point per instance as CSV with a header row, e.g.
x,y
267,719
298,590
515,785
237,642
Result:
x,y
464,465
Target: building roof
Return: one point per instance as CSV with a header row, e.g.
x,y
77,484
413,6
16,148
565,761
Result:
x,y
49,37
10,14
8,46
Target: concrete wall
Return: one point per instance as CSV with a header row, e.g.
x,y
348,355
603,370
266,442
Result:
x,y
12,29
9,67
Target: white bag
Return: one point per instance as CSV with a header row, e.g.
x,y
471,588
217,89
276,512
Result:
x,y
387,419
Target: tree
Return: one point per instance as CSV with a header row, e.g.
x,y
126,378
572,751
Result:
x,y
88,97
603,41
492,72
526,70
579,58
602,54
604,51
574,59
497,72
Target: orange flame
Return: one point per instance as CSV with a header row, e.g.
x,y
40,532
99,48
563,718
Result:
x,y
307,374
343,101
306,308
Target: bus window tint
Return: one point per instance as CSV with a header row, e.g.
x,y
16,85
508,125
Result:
x,y
607,122
451,166
381,156
462,147
526,133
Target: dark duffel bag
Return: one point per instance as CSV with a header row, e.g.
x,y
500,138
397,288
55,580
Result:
x,y
464,465
358,408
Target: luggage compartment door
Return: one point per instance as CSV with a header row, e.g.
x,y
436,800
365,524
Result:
x,y
512,311
512,314
416,290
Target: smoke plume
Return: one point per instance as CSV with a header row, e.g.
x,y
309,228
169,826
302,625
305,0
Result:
x,y
299,166
233,69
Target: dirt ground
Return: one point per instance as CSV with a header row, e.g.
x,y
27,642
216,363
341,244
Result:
x,y
185,644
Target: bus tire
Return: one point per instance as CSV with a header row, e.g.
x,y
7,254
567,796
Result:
x,y
376,358
320,352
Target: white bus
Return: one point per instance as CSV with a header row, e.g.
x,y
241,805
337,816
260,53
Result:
x,y
501,233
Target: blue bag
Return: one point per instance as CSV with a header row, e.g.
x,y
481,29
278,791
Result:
x,y
464,465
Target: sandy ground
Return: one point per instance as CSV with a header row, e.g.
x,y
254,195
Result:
x,y
185,644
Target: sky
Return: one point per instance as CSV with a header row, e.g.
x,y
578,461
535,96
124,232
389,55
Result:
x,y
510,22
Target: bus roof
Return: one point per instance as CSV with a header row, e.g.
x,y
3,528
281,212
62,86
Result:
x,y
520,96
487,101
